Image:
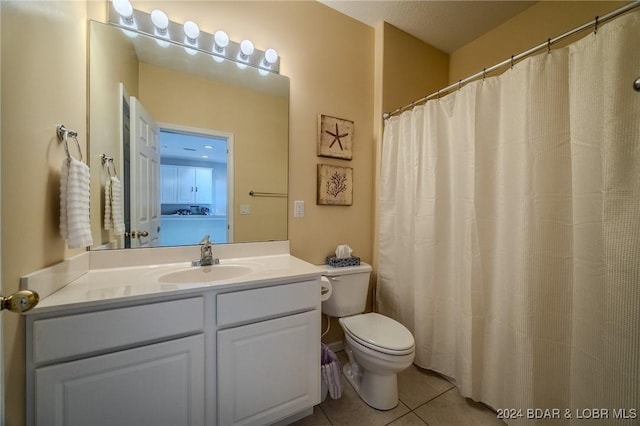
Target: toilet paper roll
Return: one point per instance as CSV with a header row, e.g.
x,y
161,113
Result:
x,y
325,288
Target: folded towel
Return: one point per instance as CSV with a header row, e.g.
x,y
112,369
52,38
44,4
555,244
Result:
x,y
75,224
113,212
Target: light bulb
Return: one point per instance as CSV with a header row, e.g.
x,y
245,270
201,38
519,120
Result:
x,y
270,58
123,7
246,49
160,21
221,41
192,32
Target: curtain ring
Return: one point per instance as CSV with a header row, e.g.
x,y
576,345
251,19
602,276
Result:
x,y
484,73
595,28
549,46
459,84
512,62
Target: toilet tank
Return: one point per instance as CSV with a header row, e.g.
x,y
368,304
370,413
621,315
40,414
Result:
x,y
350,287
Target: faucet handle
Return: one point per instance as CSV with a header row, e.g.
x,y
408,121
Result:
x,y
205,240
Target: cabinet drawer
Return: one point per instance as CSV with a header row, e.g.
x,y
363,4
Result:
x,y
75,335
252,305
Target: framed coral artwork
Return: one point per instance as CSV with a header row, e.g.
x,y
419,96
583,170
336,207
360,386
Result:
x,y
335,185
335,137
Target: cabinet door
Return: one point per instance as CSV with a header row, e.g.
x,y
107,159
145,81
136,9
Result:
x,y
204,184
186,185
269,370
161,384
169,184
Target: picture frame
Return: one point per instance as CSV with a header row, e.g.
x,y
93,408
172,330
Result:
x,y
335,137
335,185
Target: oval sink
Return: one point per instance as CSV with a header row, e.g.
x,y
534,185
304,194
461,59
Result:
x,y
205,274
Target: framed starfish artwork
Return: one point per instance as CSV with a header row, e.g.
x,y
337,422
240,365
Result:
x,y
335,137
335,185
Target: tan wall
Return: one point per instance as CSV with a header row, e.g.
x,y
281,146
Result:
x,y
43,85
543,20
110,64
412,68
258,122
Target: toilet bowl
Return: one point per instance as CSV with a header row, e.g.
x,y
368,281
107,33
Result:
x,y
378,347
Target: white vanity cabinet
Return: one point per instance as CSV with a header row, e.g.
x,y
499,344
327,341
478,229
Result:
x,y
268,353
244,354
136,365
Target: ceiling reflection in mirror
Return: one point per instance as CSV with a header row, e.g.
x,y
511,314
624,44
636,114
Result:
x,y
147,94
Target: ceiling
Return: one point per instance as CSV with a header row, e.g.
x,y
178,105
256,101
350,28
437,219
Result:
x,y
190,146
445,25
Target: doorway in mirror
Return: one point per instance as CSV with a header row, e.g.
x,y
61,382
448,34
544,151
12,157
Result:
x,y
195,185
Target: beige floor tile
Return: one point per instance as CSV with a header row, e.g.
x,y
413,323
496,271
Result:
x,y
351,410
318,418
451,409
417,386
408,420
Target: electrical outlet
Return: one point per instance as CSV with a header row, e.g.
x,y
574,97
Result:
x,y
298,209
245,208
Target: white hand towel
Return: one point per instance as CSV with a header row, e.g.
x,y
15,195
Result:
x,y
113,211
75,224
117,213
64,177
108,218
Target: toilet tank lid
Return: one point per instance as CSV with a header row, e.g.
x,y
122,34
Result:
x,y
345,270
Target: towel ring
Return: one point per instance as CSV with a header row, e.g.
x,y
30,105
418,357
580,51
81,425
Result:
x,y
110,164
63,135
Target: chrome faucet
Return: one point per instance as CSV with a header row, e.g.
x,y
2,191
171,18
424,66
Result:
x,y
206,254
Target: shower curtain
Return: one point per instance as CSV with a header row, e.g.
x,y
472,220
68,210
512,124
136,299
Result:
x,y
509,231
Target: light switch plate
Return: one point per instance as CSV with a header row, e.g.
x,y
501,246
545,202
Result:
x,y
298,209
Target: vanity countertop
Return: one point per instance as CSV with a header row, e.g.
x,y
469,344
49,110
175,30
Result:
x,y
104,286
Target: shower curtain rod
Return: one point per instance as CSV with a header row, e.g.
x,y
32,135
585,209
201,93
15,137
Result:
x,y
511,61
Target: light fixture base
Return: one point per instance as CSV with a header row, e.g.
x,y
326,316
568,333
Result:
x,y
205,40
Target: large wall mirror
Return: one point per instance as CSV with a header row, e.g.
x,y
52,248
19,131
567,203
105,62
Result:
x,y
198,144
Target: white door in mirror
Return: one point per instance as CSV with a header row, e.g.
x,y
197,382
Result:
x,y
145,176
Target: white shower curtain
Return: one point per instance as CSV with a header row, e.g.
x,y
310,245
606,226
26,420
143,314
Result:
x,y
510,230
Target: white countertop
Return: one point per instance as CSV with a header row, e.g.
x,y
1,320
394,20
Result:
x,y
100,286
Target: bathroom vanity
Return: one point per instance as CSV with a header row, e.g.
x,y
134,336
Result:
x,y
126,341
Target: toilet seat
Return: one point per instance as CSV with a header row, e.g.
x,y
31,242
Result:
x,y
379,333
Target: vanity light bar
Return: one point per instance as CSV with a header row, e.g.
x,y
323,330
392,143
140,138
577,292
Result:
x,y
141,22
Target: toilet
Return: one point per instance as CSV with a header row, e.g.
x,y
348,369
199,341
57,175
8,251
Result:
x,y
378,347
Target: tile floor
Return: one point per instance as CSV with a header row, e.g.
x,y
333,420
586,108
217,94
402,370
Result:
x,y
425,399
